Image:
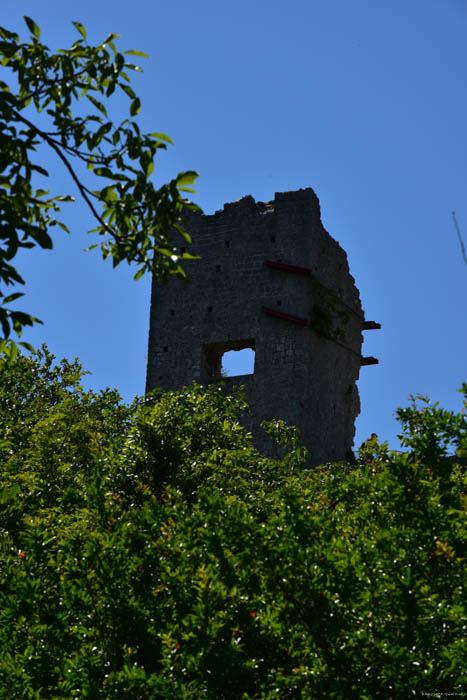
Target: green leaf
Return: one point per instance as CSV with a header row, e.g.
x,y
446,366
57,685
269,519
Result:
x,y
64,198
119,62
40,170
13,297
5,34
9,493
128,90
161,137
110,38
140,273
167,252
98,105
136,53
184,234
11,351
108,194
103,172
188,256
80,28
41,237
32,26
135,107
4,347
187,178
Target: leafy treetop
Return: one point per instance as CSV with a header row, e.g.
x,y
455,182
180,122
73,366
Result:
x,y
132,215
149,551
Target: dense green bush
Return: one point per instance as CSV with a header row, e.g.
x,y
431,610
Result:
x,y
150,552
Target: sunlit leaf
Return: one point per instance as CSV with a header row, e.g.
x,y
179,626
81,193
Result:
x,y
161,137
136,53
135,107
32,26
81,29
98,105
110,38
187,178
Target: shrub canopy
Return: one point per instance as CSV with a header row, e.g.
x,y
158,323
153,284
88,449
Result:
x,y
149,551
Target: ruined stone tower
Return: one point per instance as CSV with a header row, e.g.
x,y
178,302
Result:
x,y
270,278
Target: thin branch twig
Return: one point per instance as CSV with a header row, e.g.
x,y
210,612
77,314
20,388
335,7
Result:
x,y
460,237
83,190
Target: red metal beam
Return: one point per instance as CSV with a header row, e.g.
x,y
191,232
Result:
x,y
287,267
287,317
370,326
369,361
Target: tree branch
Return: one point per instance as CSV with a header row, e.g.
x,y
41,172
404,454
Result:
x,y
43,88
82,189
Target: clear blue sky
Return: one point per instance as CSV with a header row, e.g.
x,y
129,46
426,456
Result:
x,y
364,101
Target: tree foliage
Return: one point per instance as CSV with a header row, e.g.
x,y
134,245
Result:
x,y
149,551
60,100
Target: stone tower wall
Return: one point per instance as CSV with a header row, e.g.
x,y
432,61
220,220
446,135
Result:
x,y
302,375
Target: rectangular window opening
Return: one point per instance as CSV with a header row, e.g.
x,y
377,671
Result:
x,y
230,358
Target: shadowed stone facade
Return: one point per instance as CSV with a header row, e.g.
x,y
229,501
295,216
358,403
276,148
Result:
x,y
272,279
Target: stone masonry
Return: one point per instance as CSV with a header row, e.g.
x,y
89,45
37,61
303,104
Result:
x,y
269,278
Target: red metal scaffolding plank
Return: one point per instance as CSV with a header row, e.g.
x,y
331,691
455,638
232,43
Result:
x,y
287,317
287,267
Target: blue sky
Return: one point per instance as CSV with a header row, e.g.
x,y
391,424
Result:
x,y
366,102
